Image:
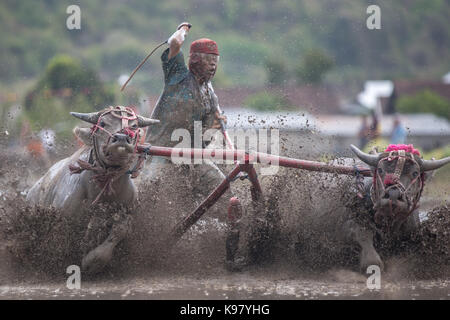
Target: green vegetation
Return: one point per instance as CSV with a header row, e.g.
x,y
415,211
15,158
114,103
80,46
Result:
x,y
115,35
380,143
65,86
313,67
264,101
426,101
276,71
66,77
260,42
438,153
437,188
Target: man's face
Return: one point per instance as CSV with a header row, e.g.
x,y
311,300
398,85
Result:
x,y
204,65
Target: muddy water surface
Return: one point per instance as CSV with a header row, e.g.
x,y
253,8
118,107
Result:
x,y
233,287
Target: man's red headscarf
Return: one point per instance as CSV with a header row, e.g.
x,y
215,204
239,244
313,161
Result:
x,y
204,45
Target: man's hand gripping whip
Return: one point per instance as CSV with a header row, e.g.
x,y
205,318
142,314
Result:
x,y
181,32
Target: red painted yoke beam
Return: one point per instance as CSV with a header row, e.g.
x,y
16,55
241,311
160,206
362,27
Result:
x,y
252,158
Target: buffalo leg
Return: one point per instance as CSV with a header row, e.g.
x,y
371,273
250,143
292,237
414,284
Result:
x,y
98,258
364,238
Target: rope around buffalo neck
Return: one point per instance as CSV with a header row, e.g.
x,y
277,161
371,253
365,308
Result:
x,y
378,186
104,176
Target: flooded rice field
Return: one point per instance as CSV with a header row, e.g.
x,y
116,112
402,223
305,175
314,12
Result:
x,y
243,286
34,258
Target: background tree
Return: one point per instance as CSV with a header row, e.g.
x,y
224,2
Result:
x,y
426,101
67,77
65,86
313,67
114,38
276,71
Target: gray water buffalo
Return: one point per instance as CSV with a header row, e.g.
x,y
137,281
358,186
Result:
x,y
390,198
333,221
97,173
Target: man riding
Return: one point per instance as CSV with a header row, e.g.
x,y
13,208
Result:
x,y
188,100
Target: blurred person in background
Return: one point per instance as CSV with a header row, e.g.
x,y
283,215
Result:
x,y
374,129
398,134
363,132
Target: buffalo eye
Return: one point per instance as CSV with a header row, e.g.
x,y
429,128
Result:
x,y
415,174
102,124
380,171
134,126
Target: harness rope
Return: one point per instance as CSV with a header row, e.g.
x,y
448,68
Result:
x,y
105,175
392,180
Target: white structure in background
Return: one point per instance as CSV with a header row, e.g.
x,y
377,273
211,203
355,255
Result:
x,y
425,130
292,130
304,135
373,90
446,78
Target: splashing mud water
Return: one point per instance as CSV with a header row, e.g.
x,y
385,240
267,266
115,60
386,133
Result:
x,y
303,260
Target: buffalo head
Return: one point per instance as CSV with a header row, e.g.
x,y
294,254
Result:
x,y
114,134
398,178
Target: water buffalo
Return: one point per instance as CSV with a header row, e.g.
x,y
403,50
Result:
x,y
101,176
391,196
334,221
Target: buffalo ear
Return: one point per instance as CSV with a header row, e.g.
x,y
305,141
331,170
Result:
x,y
84,134
428,175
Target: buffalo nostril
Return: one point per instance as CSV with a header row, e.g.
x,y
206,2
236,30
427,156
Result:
x,y
394,194
119,138
128,139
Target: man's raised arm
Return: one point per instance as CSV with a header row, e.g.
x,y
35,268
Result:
x,y
177,39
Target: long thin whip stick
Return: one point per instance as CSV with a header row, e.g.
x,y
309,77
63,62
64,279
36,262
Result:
x,y
140,64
